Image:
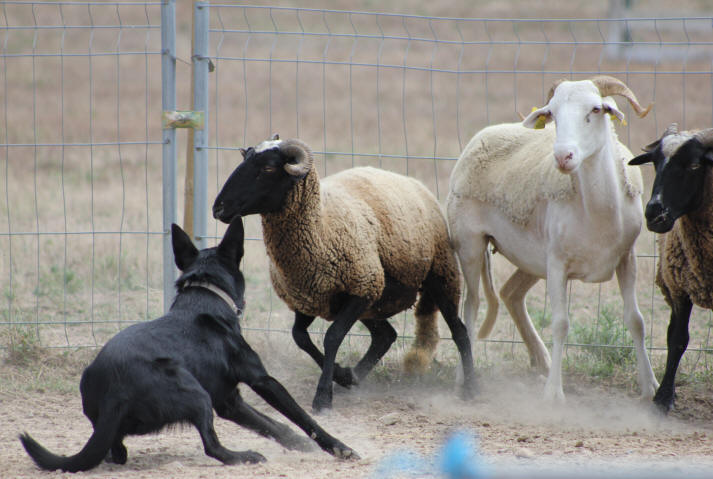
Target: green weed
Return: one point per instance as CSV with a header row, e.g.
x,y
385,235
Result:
x,y
23,345
606,345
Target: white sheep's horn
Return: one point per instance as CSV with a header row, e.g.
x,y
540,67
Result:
x,y
705,137
301,153
613,86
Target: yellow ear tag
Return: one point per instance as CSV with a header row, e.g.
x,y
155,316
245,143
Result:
x,y
541,120
616,118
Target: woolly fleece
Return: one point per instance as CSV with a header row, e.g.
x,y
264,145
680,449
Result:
x,y
512,168
347,233
686,254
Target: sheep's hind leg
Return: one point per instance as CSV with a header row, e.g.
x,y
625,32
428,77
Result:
x,y
677,340
345,377
513,295
383,336
459,333
472,256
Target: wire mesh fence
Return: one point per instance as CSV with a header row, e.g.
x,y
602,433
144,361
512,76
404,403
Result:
x,y
81,197
407,92
81,141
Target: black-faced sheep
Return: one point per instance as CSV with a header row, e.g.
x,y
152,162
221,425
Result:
x,y
681,210
359,245
576,217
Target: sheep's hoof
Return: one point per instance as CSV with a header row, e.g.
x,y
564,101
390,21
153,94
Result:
x,y
468,392
345,377
664,404
321,403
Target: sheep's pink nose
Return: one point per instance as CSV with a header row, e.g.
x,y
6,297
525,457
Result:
x,y
563,156
563,159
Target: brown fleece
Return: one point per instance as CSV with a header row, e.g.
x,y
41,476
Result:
x,y
347,233
686,262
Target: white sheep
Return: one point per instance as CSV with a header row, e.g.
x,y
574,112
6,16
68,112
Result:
x,y
681,210
575,219
359,245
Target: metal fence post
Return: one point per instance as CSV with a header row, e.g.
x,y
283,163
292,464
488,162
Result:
x,y
201,62
168,89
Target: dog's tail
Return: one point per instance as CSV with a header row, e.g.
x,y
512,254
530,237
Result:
x,y
91,455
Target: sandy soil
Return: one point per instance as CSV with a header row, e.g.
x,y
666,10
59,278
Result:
x,y
598,428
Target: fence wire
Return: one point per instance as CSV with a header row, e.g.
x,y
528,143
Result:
x,y
407,92
81,197
82,135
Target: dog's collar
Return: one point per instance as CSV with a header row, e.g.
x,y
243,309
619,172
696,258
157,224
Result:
x,y
216,290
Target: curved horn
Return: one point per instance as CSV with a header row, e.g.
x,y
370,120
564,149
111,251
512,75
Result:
x,y
613,86
554,86
301,153
705,137
671,129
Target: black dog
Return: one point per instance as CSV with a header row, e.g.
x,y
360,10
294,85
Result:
x,y
179,367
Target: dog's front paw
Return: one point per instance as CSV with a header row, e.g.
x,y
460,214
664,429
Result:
x,y
345,452
298,443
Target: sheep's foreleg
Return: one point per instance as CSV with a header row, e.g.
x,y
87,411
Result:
x,y
677,340
345,377
352,308
557,289
634,321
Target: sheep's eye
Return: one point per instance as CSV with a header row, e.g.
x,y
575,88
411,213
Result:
x,y
694,166
596,109
269,169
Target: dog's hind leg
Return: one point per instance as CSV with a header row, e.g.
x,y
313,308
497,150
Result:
x,y
118,454
251,371
235,409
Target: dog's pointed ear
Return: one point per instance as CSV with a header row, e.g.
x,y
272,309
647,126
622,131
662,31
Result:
x,y
184,252
231,246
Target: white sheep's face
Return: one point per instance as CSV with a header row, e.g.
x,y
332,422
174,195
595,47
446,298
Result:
x,y
582,121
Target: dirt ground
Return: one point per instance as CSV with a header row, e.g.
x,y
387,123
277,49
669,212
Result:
x,y
601,427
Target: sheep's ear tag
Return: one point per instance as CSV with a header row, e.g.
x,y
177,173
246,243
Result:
x,y
615,118
541,120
